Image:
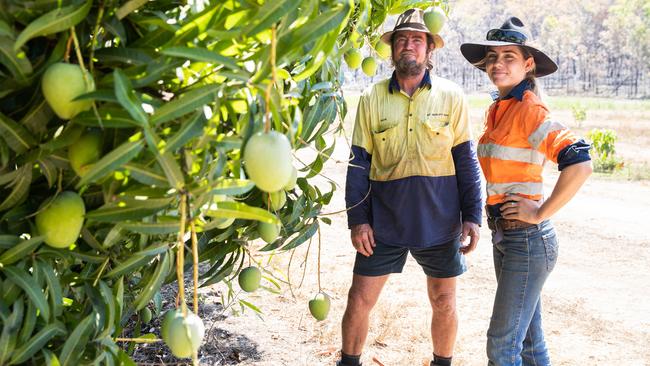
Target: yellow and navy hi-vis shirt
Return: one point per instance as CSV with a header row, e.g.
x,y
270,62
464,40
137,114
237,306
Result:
x,y
415,157
519,137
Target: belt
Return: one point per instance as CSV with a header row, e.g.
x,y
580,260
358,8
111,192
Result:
x,y
507,224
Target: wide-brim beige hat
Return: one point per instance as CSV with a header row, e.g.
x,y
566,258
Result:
x,y
412,20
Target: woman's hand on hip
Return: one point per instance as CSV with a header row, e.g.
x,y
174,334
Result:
x,y
522,209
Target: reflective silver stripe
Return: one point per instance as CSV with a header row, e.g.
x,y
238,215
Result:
x,y
529,188
510,153
536,138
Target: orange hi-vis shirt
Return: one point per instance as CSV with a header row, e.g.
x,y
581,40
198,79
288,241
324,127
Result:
x,y
519,136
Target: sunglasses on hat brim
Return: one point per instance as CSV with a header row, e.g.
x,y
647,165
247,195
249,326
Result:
x,y
510,36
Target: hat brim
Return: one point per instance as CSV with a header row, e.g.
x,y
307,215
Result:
x,y
437,40
475,52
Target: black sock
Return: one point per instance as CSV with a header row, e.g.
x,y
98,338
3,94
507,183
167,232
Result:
x,y
350,360
441,361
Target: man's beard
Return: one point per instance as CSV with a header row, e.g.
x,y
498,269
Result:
x,y
409,67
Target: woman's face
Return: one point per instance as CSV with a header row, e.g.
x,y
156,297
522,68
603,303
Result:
x,y
506,67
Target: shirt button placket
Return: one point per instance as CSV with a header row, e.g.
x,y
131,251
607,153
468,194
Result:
x,y
410,139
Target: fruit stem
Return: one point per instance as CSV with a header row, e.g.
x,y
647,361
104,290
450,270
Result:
x,y
195,263
347,208
181,255
137,340
100,15
293,251
101,269
304,271
267,112
319,245
80,58
68,46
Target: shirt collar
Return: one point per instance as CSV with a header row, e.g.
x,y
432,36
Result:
x,y
516,92
394,85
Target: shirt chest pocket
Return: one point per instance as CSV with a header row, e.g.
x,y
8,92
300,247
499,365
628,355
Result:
x,y
389,145
435,137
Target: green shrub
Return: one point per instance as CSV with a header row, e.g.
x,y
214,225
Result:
x,y
579,114
603,142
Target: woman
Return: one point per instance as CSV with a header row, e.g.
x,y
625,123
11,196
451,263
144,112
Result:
x,y
519,136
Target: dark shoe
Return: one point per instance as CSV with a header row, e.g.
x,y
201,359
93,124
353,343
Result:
x,y
339,363
434,364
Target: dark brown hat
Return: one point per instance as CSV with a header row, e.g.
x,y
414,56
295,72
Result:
x,y
512,32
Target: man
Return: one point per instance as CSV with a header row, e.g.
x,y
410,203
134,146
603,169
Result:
x,y
413,185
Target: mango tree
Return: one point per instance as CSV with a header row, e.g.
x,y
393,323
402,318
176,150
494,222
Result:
x,y
139,139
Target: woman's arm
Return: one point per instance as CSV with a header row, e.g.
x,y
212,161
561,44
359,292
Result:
x,y
571,179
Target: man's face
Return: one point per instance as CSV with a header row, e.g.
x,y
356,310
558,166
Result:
x,y
410,52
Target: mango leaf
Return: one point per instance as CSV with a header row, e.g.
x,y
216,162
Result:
x,y
118,295
187,102
20,250
20,188
239,210
223,271
75,342
304,235
5,30
111,117
29,322
23,280
154,283
123,55
68,137
189,130
53,22
201,54
103,95
128,209
109,301
112,161
10,328
15,135
18,65
9,176
129,7
49,171
50,358
232,187
270,13
314,168
172,170
88,257
146,175
36,343
128,99
156,70
195,25
250,306
138,259
53,287
8,241
157,228
320,26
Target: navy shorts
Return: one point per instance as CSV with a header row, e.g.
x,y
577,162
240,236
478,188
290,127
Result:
x,y
440,261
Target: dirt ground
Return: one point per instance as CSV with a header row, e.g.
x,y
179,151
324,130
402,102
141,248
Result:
x,y
596,302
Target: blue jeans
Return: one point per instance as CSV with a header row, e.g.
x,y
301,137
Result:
x,y
523,259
